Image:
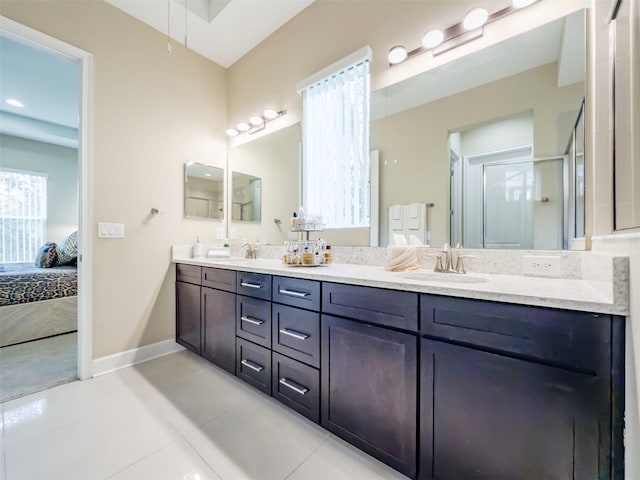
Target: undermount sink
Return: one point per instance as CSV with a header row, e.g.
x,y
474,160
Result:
x,y
443,277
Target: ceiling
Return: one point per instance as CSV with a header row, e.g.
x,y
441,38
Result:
x,y
220,30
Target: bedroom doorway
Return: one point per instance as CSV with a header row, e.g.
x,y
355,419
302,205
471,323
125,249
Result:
x,y
15,32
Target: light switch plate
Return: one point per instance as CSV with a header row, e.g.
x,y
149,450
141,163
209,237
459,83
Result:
x,y
547,266
110,230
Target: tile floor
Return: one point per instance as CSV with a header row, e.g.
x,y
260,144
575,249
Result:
x,y
33,366
175,417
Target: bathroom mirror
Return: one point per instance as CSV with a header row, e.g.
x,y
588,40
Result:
x,y
203,191
625,35
485,138
246,197
536,78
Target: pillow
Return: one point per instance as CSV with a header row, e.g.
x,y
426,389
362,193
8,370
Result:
x,y
47,256
68,249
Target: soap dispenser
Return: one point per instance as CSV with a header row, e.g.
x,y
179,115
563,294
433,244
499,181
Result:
x,y
198,250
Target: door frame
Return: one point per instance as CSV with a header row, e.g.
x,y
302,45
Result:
x,y
29,36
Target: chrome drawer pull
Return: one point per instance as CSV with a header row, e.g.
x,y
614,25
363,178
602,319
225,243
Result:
x,y
251,365
295,388
251,320
250,285
294,334
292,293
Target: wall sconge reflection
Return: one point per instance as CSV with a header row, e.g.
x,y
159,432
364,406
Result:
x,y
256,122
439,41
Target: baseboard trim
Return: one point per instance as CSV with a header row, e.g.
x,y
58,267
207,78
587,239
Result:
x,y
114,362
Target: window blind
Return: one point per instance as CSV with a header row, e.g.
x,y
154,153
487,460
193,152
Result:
x,y
335,165
23,215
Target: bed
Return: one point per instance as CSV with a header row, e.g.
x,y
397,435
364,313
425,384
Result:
x,y
37,302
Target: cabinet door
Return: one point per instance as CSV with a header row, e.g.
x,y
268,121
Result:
x,y
188,316
484,415
219,327
369,383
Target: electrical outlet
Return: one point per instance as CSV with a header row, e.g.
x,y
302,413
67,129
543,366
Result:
x,y
219,233
542,266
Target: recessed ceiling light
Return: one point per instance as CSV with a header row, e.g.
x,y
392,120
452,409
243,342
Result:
x,y
15,103
232,132
256,121
523,3
397,54
475,18
243,126
432,38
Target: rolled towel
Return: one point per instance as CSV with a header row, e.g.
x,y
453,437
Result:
x,y
401,258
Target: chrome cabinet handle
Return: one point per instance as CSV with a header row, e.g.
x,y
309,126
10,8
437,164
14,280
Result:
x,y
250,285
251,365
292,293
298,389
294,334
251,320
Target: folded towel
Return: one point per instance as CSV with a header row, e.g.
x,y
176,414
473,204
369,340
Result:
x,y
401,258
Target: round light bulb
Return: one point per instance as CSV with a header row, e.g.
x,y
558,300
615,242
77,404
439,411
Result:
x,y
232,132
522,3
475,18
270,114
397,54
432,38
256,121
243,126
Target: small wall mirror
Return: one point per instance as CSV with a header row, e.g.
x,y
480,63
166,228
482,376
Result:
x,y
203,191
246,198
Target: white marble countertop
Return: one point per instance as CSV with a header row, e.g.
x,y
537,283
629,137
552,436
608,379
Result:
x,y
569,294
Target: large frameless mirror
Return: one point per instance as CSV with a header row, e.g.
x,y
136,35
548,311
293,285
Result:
x,y
203,191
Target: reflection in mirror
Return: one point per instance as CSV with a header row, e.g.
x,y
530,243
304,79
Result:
x,y
203,191
246,198
275,159
484,139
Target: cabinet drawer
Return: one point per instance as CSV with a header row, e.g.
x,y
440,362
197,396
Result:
x,y
297,386
296,333
256,285
297,292
219,278
253,320
253,365
188,273
373,305
573,339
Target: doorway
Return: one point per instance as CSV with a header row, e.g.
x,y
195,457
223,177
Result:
x,y
28,36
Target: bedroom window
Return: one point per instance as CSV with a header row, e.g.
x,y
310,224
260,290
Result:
x,y
335,156
23,215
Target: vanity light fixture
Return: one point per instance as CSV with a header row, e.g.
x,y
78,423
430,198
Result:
x,y
256,122
471,27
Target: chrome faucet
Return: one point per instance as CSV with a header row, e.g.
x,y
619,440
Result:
x,y
252,252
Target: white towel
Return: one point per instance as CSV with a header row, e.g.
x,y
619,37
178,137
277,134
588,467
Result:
x,y
401,258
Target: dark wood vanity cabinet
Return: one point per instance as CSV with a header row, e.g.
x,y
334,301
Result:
x,y
188,316
518,392
218,317
369,372
434,386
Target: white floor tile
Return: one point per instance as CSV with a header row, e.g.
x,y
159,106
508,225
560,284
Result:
x,y
177,461
258,440
91,448
199,399
337,460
